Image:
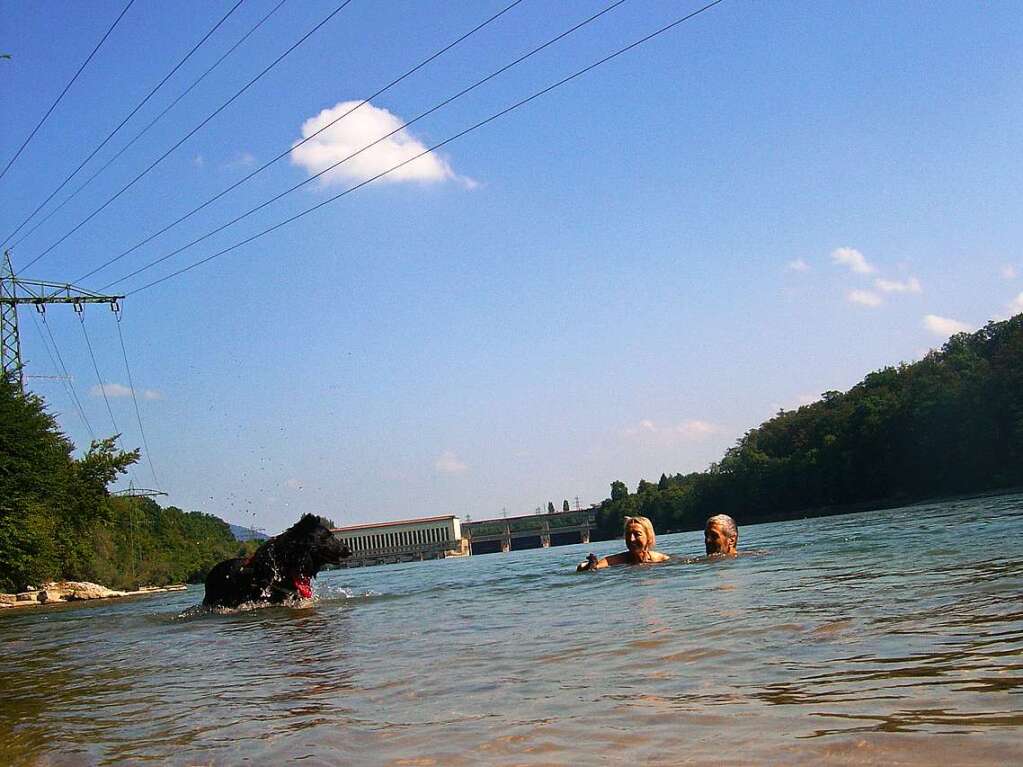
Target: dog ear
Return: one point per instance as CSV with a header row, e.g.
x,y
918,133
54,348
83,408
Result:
x,y
308,523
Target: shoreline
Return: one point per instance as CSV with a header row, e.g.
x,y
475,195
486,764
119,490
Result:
x,y
70,592
860,507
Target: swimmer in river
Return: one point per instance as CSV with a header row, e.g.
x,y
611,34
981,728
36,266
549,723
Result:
x,y
639,540
721,536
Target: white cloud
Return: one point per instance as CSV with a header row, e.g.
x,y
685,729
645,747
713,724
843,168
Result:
x,y
362,127
943,326
111,390
199,161
912,285
797,265
1016,306
1009,272
853,259
240,160
449,463
696,429
119,390
864,297
687,430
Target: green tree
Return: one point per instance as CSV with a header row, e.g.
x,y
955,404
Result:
x,y
618,490
950,423
49,501
57,519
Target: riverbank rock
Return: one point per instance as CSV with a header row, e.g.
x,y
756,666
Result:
x,y
75,591
71,591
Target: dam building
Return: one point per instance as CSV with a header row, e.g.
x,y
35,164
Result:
x,y
533,531
406,540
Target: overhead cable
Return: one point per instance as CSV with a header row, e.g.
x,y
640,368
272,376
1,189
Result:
x,y
127,117
149,125
192,132
64,379
99,378
66,87
433,148
102,386
400,128
290,149
138,413
71,386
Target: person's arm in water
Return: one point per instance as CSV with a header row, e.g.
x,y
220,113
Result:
x,y
592,562
624,558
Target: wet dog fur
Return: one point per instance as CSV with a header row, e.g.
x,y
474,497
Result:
x,y
280,570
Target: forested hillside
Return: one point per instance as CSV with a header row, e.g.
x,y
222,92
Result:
x,y
950,423
57,519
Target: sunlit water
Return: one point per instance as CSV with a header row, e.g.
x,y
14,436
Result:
x,y
892,637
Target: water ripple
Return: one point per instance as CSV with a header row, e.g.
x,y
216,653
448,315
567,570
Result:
x,y
847,640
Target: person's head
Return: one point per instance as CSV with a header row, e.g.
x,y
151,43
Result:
x,y
721,536
639,534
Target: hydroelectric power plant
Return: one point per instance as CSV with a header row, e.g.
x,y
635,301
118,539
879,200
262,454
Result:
x,y
411,540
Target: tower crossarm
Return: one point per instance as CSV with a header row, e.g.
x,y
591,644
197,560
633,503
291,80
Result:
x,y
22,291
15,291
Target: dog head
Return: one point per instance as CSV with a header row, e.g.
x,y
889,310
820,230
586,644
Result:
x,y
304,548
321,545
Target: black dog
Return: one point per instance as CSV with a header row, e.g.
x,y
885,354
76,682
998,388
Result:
x,y
279,570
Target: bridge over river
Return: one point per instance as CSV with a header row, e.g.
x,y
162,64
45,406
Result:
x,y
535,531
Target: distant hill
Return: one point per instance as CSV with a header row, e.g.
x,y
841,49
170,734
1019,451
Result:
x,y
247,533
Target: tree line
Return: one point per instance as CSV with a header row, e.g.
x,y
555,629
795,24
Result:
x,y
949,424
58,520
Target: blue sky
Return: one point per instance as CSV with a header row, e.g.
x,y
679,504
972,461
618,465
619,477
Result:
x,y
615,280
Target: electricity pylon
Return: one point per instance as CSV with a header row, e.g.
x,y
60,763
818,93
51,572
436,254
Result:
x,y
14,291
134,492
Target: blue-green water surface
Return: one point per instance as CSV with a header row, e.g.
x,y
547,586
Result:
x,y
888,637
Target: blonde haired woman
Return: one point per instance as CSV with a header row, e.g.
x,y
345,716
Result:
x,y
639,540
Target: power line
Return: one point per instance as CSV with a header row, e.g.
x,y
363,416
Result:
x,y
120,125
290,149
151,123
99,378
48,352
102,386
66,87
437,146
65,382
74,394
138,413
400,128
192,132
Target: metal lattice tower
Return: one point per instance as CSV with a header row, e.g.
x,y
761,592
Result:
x,y
10,346
14,291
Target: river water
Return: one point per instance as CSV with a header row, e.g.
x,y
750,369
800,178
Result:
x,y
888,637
